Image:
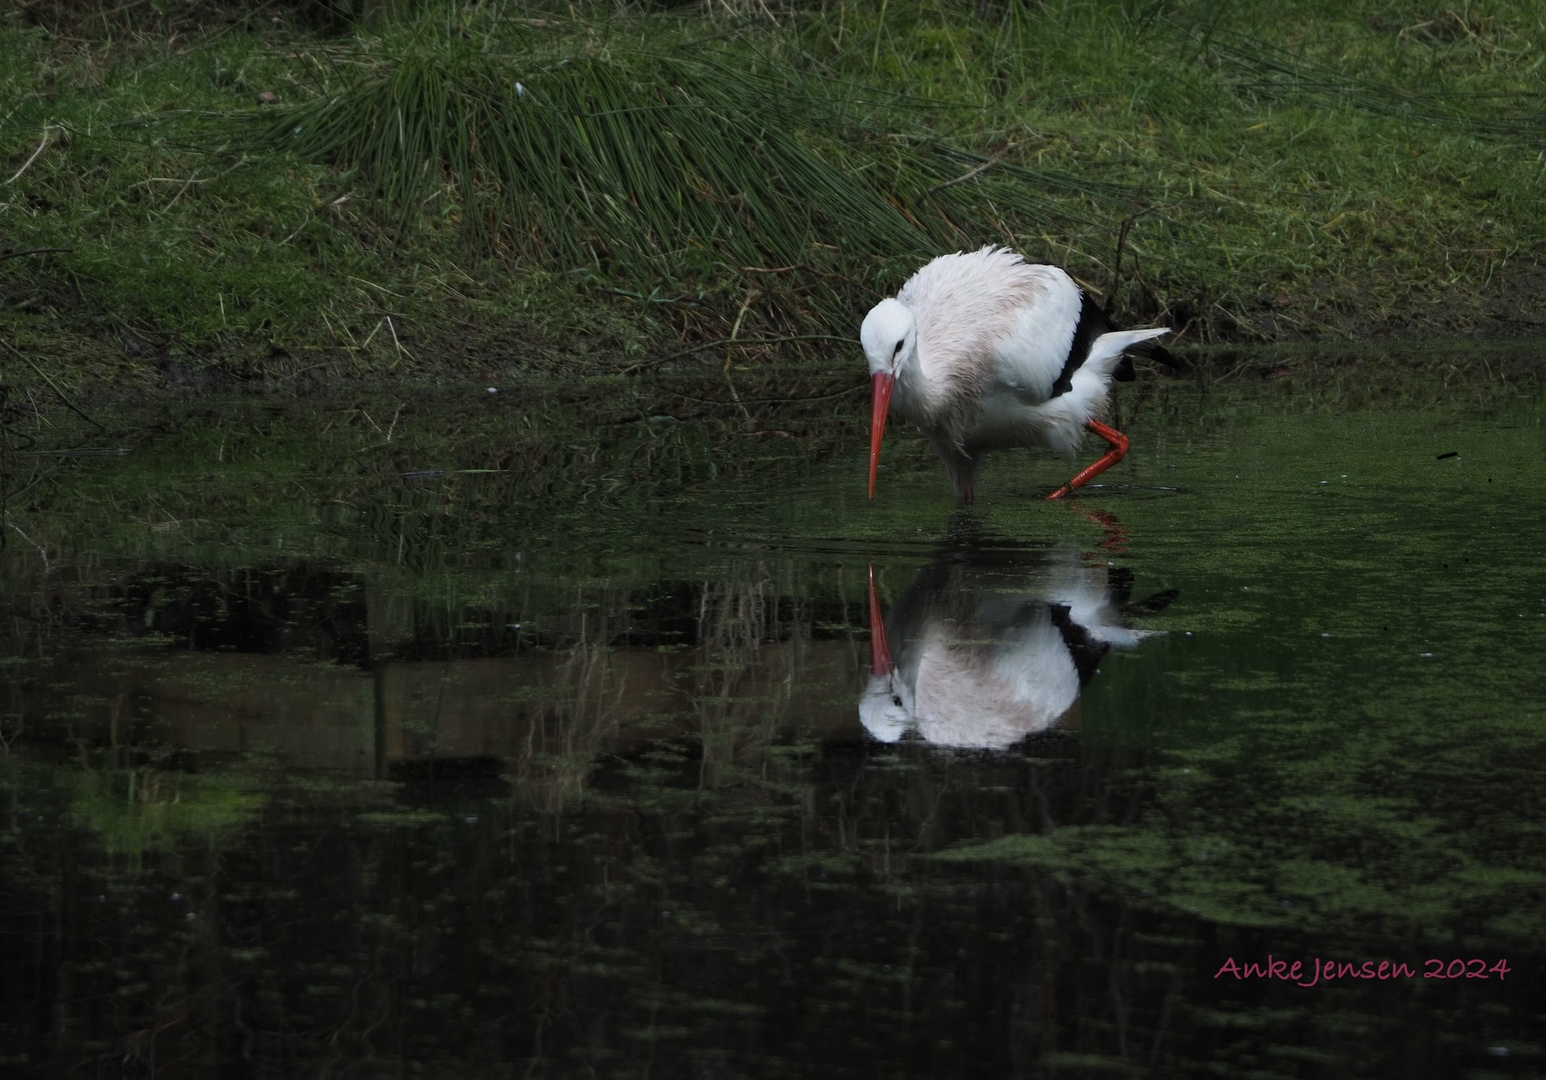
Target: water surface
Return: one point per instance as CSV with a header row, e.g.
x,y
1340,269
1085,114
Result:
x,y
451,739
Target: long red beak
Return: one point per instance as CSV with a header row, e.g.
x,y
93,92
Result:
x,y
880,649
882,383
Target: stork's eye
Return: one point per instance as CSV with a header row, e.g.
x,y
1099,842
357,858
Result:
x,y
896,350
896,700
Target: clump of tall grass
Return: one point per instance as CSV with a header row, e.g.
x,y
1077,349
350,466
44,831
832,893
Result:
x,y
644,170
662,163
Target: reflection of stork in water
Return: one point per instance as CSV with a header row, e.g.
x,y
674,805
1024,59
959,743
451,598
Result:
x,y
994,640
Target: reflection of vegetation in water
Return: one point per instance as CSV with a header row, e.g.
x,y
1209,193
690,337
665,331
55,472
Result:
x,y
780,914
703,875
772,915
440,481
1344,694
138,811
423,472
742,691
1386,838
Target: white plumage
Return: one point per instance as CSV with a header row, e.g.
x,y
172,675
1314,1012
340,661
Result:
x,y
994,642
985,351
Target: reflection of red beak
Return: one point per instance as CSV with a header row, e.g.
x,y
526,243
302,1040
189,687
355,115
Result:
x,y
882,383
880,651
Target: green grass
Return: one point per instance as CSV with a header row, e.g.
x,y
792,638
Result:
x,y
1293,161
1247,172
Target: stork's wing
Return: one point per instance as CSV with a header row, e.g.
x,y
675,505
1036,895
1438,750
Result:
x,y
1032,350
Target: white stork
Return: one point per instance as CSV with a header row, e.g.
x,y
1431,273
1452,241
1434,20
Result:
x,y
985,351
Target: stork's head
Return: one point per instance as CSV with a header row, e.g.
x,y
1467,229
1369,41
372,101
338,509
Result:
x,y
882,711
890,337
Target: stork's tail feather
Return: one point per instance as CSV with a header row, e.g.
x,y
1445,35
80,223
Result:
x,y
1153,350
1106,350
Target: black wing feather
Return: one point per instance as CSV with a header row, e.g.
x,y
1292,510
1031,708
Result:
x,y
1093,322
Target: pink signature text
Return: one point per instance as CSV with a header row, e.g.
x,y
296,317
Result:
x,y
1309,973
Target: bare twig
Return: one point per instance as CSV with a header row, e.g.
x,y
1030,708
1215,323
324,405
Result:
x,y
31,251
751,294
1127,223
368,340
736,394
37,546
964,177
181,190
41,146
399,345
194,179
304,222
796,266
55,386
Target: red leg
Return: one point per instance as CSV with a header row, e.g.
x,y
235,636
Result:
x,y
1115,538
1113,455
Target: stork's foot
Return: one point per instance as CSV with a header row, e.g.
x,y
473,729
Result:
x,y
1116,451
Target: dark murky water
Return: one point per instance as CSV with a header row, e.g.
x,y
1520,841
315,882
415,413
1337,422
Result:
x,y
452,746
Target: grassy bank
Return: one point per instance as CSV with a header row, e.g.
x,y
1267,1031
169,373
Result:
x,y
469,192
